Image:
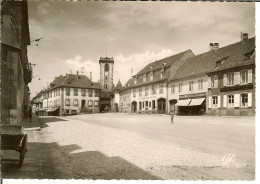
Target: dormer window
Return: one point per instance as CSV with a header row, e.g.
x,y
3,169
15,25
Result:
x,y
220,61
144,78
249,55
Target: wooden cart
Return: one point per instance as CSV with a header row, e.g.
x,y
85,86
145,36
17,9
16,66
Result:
x,y
13,138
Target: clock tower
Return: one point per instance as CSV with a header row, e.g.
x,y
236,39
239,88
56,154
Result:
x,y
106,73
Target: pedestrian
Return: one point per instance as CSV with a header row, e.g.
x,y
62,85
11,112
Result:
x,y
30,113
172,116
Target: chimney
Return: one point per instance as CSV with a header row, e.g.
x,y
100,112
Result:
x,y
131,72
77,74
90,76
244,37
213,46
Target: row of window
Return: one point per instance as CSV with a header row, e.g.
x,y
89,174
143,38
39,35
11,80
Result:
x,y
232,100
76,103
54,103
83,92
55,93
228,80
232,78
153,90
146,104
191,86
151,76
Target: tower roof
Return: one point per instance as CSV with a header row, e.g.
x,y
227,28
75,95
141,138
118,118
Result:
x,y
106,60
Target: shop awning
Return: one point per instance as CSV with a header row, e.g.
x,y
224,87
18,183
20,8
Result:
x,y
38,110
183,102
52,109
197,101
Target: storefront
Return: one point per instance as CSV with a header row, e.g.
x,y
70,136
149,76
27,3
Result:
x,y
194,106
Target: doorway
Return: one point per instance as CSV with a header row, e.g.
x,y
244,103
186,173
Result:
x,y
134,107
161,105
83,103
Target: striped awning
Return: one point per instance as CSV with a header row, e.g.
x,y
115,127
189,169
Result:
x,y
52,109
183,102
196,101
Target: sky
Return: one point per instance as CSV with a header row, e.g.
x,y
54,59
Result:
x,y
77,34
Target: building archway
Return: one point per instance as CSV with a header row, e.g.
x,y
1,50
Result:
x,y
161,106
172,105
134,106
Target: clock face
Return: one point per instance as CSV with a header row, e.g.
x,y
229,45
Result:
x,y
106,73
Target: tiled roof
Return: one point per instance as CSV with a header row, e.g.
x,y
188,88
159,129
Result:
x,y
118,86
230,56
72,80
158,64
166,63
128,84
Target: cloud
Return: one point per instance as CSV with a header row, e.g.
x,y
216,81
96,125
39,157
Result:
x,y
76,63
122,65
134,33
137,61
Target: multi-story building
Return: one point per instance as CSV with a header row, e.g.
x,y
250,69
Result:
x,y
15,69
71,94
220,81
232,80
187,91
147,90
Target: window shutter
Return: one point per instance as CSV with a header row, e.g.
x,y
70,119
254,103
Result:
x,y
249,99
225,101
225,80
250,76
209,82
219,101
236,100
237,78
216,82
210,101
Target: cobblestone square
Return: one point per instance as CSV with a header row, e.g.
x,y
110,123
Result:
x,y
132,146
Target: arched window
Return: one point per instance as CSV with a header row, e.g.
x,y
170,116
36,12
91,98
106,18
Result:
x,y
106,67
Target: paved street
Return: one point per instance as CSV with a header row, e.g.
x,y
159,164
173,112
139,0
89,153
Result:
x,y
127,146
